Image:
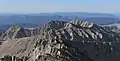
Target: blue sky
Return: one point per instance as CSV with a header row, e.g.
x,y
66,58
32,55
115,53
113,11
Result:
x,y
36,6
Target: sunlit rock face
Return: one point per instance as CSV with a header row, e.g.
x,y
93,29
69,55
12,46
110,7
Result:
x,y
63,41
16,32
82,23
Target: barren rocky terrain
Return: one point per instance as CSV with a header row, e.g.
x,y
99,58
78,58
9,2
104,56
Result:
x,y
60,41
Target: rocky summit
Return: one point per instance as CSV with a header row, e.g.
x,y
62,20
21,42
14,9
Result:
x,y
60,41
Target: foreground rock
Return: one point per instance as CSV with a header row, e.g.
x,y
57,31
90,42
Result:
x,y
65,41
13,58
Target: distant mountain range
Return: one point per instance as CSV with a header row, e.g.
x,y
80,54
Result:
x,y
33,20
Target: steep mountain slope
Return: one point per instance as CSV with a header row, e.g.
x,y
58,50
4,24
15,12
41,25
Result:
x,y
17,47
64,41
115,27
16,32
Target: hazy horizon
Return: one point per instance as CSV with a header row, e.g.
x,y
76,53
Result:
x,y
56,12
49,6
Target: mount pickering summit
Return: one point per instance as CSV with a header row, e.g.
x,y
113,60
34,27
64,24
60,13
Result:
x,y
60,41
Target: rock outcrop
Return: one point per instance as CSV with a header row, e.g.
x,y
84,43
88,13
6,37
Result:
x,y
115,27
64,41
16,32
13,58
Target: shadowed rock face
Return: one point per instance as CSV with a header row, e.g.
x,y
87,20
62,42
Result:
x,y
67,41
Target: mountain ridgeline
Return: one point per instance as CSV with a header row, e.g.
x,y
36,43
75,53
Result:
x,y
33,20
60,41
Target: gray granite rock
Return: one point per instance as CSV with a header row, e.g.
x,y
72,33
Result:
x,y
66,41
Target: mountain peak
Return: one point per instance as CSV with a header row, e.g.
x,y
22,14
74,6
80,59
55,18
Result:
x,y
15,31
62,41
